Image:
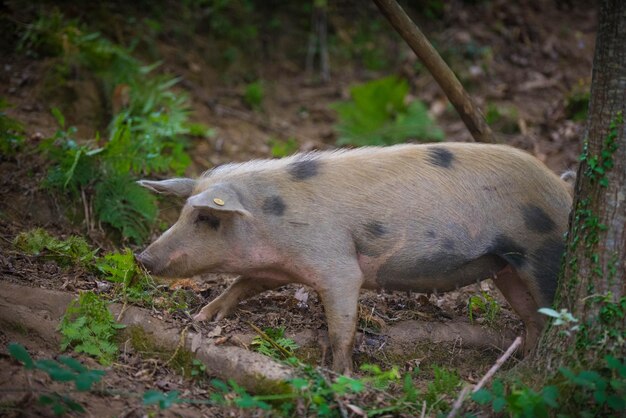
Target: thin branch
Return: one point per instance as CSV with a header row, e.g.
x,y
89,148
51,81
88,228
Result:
x,y
503,358
269,339
449,83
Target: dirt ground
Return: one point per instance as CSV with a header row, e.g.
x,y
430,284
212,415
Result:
x,y
538,53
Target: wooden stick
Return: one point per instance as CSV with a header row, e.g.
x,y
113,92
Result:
x,y
503,358
449,83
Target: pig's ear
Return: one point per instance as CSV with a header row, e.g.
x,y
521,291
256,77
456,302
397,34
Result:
x,y
178,187
220,199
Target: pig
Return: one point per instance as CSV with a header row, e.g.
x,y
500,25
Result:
x,y
423,218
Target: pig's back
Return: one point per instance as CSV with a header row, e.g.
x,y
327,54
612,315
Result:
x,y
422,217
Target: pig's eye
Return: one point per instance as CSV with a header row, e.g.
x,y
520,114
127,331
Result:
x,y
209,220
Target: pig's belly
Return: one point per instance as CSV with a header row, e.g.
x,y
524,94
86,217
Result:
x,y
426,276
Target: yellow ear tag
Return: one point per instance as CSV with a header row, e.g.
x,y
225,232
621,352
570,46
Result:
x,y
218,201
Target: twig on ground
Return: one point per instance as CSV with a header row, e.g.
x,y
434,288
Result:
x,y
181,343
503,358
269,339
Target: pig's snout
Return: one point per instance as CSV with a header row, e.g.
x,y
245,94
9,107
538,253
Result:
x,y
145,259
166,265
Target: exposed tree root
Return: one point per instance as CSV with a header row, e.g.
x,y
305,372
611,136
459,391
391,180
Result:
x,y
36,313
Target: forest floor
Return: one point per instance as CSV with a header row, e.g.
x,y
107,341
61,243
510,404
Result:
x,y
539,57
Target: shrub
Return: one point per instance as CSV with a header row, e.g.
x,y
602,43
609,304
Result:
x,y
378,115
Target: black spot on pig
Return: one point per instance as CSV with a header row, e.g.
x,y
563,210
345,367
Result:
x,y
440,157
438,271
303,169
430,233
370,240
537,220
505,248
546,266
375,229
274,205
448,244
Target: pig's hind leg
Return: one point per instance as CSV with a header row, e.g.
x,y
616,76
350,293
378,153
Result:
x,y
519,296
242,288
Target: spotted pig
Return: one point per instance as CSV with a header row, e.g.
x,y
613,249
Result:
x,y
425,218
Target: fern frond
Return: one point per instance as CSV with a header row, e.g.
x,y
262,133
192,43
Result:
x,y
124,205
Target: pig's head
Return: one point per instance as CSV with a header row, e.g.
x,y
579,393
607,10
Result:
x,y
199,241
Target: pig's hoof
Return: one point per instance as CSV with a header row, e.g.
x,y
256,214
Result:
x,y
215,310
199,317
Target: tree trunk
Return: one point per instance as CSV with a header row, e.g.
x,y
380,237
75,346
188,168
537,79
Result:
x,y
593,279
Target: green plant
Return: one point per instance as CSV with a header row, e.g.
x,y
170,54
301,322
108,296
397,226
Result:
x,y
273,343
44,37
147,134
73,250
134,284
314,394
164,400
378,115
11,132
442,388
562,318
88,327
283,148
485,305
519,400
253,96
606,388
66,369
126,206
503,118
587,393
198,368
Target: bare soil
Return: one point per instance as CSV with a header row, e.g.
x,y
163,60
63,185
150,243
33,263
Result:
x,y
538,54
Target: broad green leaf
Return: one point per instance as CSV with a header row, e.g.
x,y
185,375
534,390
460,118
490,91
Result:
x,y
482,396
72,364
18,352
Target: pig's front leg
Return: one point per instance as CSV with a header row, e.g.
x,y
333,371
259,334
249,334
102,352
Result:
x,y
242,288
341,307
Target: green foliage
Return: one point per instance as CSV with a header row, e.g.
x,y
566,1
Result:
x,y
587,393
200,130
66,369
442,388
44,37
378,115
126,206
283,148
198,368
253,96
502,118
273,343
88,327
599,165
562,318
366,46
519,400
11,132
605,390
134,284
147,135
164,400
484,305
314,394
73,250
